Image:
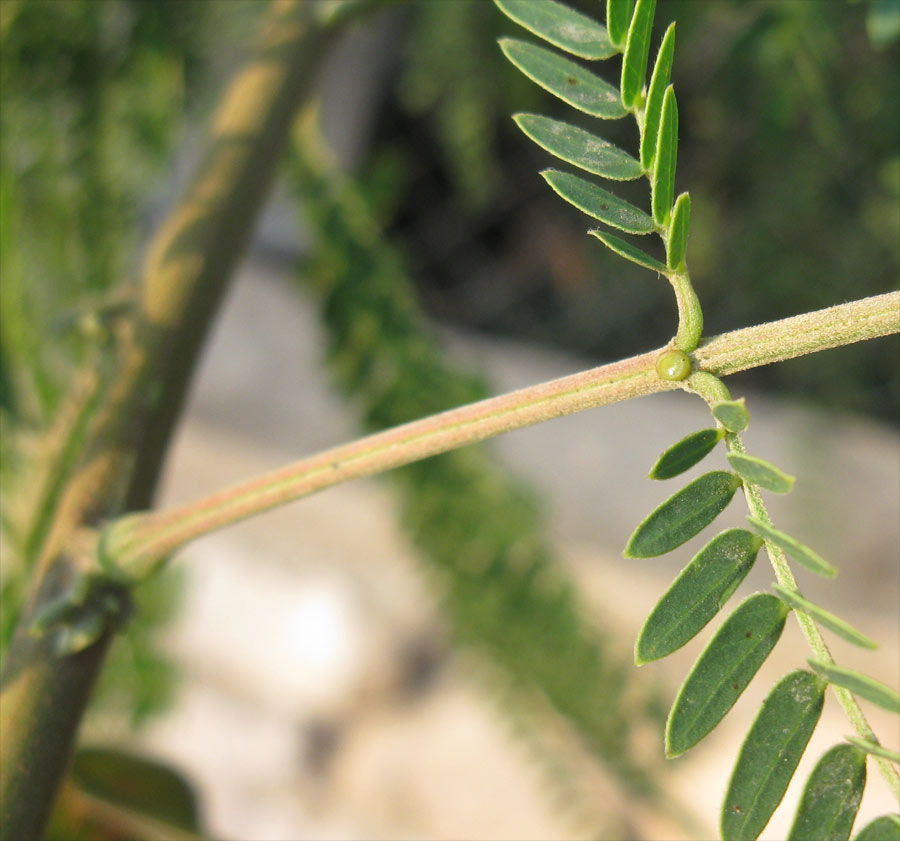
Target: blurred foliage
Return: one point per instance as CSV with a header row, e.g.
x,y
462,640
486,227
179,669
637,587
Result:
x,y
503,593
789,146
94,95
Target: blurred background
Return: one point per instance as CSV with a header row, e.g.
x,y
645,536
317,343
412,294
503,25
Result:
x,y
376,661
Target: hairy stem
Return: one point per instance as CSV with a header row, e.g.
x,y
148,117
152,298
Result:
x,y
800,335
135,546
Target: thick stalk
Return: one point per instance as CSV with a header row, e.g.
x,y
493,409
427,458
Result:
x,y
135,546
43,695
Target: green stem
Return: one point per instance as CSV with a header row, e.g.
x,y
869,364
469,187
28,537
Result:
x,y
133,547
690,314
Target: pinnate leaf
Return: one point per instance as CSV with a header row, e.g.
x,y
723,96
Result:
x,y
698,593
798,551
659,81
686,453
561,26
599,203
884,828
770,753
860,684
761,472
831,798
565,79
732,414
627,250
679,230
663,182
723,670
579,147
683,515
828,620
874,749
618,15
637,50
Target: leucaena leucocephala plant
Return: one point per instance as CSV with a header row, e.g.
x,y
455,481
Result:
x,y
778,737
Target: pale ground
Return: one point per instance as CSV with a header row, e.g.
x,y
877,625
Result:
x,y
295,635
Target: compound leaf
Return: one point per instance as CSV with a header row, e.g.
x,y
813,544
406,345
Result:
x,y
831,798
565,79
618,14
679,229
698,593
561,26
637,50
686,453
770,753
627,250
579,147
599,203
659,81
761,472
663,182
723,670
732,414
828,620
800,553
874,749
683,515
884,828
859,684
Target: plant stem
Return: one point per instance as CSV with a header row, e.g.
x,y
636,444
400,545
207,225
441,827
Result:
x,y
800,335
135,546
43,695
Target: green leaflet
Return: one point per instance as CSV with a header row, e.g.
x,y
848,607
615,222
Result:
x,y
683,515
662,187
698,593
875,750
884,828
686,453
859,684
637,50
618,14
659,81
565,79
139,785
679,229
579,147
761,472
800,553
828,620
723,670
732,414
599,203
627,250
831,798
561,26
769,755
